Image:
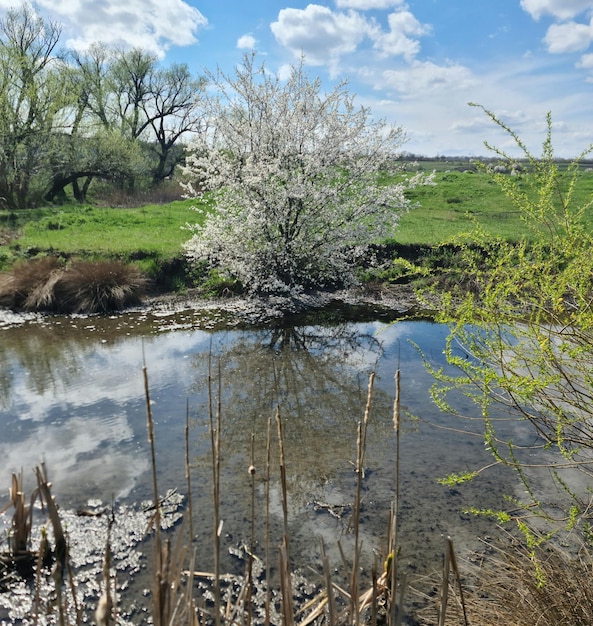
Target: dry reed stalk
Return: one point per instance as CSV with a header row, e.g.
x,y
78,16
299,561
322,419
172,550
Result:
x,y
172,601
22,518
450,564
267,537
360,452
189,507
104,611
331,600
251,472
61,551
61,545
44,549
374,600
283,483
159,582
188,475
215,427
286,587
395,616
285,573
180,603
21,525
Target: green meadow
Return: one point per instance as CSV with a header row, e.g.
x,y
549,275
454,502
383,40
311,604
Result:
x,y
154,233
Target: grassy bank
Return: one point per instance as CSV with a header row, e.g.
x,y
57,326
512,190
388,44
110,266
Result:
x,y
151,231
150,236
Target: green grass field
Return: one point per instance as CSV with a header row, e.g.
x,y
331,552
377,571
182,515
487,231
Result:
x,y
459,200
154,232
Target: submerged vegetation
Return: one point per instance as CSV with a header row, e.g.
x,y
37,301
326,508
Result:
x,y
61,587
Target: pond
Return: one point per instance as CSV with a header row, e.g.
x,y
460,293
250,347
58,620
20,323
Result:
x,y
72,395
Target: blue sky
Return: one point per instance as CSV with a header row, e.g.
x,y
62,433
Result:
x,y
416,63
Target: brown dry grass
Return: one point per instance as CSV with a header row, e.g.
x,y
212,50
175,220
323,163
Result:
x,y
507,591
500,586
46,284
28,284
98,287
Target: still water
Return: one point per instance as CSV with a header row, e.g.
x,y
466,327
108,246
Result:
x,y
72,395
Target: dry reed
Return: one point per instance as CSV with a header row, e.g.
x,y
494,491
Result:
x,y
29,284
173,572
505,590
47,284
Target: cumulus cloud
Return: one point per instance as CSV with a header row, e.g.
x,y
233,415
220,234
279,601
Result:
x,y
478,122
319,33
149,24
246,42
367,5
323,35
397,41
561,9
427,78
568,37
586,62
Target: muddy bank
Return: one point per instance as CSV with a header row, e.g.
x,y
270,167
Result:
x,y
363,302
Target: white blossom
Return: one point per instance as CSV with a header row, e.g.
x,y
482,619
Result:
x,y
292,177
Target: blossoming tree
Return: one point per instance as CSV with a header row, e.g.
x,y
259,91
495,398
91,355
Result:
x,y
291,178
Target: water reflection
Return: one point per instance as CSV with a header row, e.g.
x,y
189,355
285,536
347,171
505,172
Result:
x,y
317,376
72,394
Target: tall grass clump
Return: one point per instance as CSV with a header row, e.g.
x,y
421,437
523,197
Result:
x,y
48,284
29,284
500,588
98,287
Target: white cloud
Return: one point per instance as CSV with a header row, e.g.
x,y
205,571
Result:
x,y
323,36
561,9
366,5
319,33
568,37
397,42
246,42
427,79
586,62
150,24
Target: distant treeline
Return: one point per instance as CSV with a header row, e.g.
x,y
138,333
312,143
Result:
x,y
411,157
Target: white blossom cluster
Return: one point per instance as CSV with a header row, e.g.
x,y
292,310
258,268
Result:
x,y
292,179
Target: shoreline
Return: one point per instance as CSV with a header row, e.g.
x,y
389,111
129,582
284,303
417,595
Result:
x,y
382,300
360,303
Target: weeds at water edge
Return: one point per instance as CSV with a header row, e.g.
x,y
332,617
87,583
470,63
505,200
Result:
x,y
225,600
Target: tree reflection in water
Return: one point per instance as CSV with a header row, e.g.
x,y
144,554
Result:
x,y
73,394
318,378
